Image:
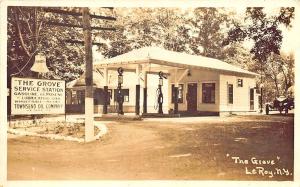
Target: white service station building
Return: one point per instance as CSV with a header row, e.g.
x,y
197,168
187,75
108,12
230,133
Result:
x,y
205,85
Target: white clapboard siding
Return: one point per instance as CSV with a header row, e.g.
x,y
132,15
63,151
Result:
x,y
241,95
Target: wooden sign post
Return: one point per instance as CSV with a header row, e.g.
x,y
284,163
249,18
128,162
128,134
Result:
x,y
89,99
86,25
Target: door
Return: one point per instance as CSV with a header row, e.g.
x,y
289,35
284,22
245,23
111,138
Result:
x,y
251,99
191,97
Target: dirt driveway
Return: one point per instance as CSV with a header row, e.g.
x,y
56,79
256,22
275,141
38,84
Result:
x,y
184,148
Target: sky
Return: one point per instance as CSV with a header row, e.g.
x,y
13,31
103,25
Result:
x,y
291,39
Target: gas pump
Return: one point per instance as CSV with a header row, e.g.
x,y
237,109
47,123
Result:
x,y
120,97
160,97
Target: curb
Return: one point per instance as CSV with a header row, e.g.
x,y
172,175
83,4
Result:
x,y
102,127
49,136
103,130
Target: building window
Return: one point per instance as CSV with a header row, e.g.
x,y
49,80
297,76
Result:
x,y
80,96
230,93
180,93
68,96
240,82
208,92
125,93
110,93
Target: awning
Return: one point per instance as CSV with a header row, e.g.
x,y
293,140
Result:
x,y
156,59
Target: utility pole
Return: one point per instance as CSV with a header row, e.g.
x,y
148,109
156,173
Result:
x,y
86,25
89,99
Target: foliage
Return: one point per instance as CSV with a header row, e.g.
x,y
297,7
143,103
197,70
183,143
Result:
x,y
279,71
276,70
263,30
140,27
28,34
236,54
170,28
23,39
211,32
208,25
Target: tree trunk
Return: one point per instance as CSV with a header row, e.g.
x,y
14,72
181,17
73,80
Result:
x,y
276,85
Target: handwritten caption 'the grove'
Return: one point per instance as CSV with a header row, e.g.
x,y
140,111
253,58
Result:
x,y
262,167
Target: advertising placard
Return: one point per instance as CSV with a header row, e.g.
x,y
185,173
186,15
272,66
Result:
x,y
37,96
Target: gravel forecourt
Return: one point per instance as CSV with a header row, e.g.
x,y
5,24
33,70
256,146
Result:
x,y
198,148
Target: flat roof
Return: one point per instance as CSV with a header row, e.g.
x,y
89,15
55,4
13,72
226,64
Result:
x,y
161,58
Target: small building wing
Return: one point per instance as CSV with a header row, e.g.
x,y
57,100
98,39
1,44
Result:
x,y
97,80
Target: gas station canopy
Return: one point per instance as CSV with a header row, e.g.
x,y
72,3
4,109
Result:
x,y
155,59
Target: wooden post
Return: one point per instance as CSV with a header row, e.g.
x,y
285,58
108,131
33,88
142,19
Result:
x,y
137,100
145,93
137,91
89,99
175,99
176,93
106,96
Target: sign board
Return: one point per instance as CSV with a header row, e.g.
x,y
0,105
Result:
x,y
37,96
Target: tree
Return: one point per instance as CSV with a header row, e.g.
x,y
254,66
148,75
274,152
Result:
x,y
280,68
208,26
236,54
117,42
263,30
272,70
24,37
288,70
141,27
174,29
29,34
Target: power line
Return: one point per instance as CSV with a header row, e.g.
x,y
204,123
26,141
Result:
x,y
73,13
82,42
78,26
